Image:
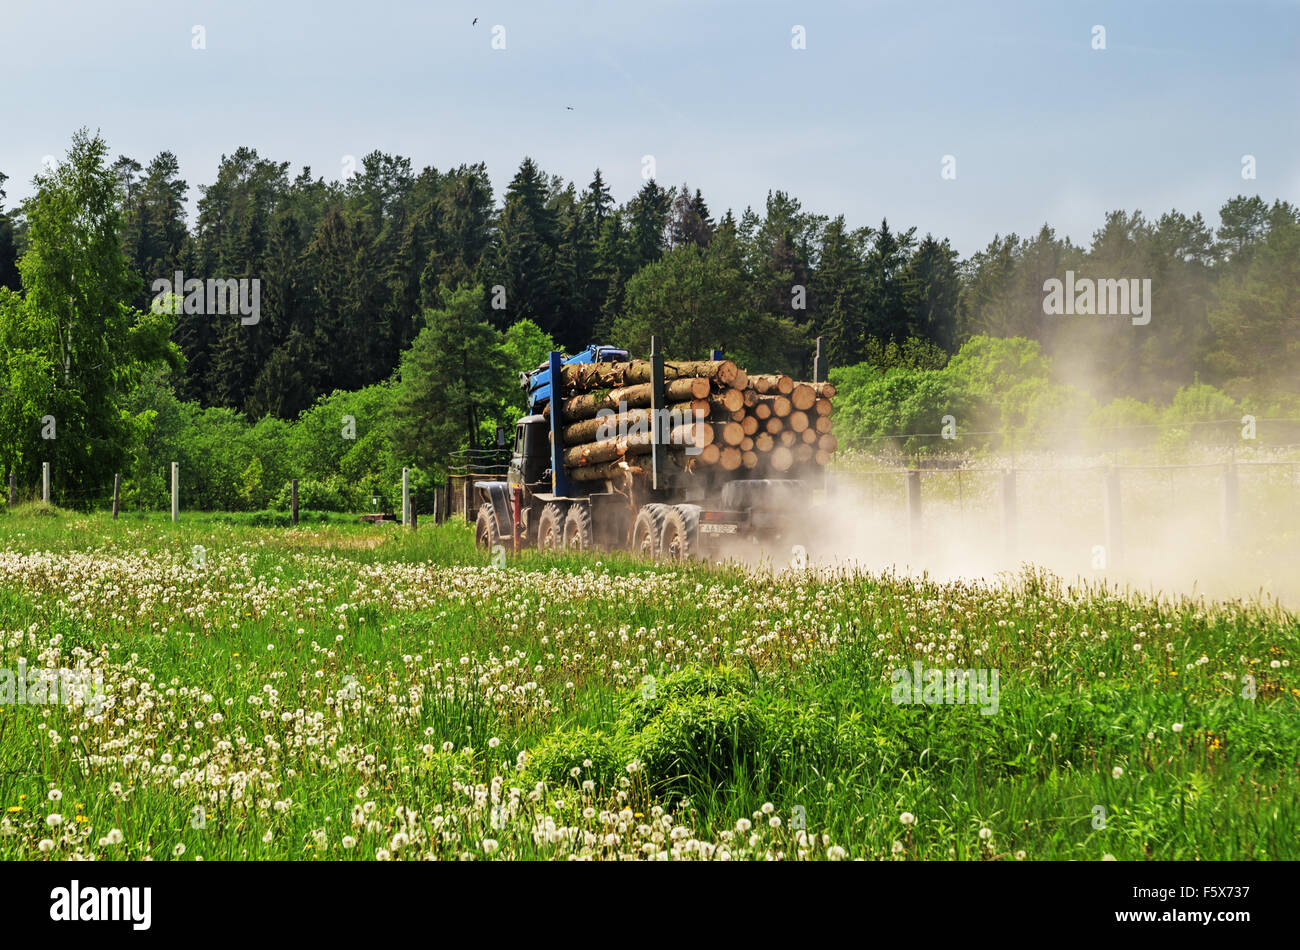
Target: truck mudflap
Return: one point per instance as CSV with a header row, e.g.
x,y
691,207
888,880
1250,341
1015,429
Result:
x,y
498,495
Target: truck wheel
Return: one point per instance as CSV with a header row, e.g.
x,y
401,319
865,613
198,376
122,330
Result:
x,y
550,527
648,530
578,535
681,533
486,533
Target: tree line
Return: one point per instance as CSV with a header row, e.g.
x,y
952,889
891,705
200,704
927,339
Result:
x,y
424,283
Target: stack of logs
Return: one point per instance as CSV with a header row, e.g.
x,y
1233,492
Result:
x,y
720,417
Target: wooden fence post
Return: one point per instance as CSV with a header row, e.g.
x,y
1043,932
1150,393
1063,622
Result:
x,y
293,502
13,488
117,488
176,490
45,482
467,488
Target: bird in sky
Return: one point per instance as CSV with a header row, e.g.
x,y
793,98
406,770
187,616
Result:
x,y
475,23
570,108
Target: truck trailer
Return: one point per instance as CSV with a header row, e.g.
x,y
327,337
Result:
x,y
661,488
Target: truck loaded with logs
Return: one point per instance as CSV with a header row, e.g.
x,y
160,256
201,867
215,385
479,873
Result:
x,y
669,459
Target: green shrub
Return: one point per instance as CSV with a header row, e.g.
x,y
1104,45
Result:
x,y
643,706
1123,423
1201,413
558,754
329,494
695,731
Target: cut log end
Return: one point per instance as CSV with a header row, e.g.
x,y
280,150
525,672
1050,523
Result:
x,y
804,397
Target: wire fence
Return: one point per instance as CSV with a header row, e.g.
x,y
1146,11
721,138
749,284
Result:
x,y
1239,481
956,446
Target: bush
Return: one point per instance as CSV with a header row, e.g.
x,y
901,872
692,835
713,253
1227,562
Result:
x,y
1049,415
1193,409
900,402
1124,423
697,730
330,494
558,754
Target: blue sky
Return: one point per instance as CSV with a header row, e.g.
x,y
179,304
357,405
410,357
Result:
x,y
1042,126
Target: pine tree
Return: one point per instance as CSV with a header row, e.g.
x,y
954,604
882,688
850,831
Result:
x,y
613,265
690,222
452,378
155,223
891,289
597,203
231,242
524,258
1255,316
839,294
647,219
933,273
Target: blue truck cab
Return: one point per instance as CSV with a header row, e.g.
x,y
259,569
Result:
x,y
537,383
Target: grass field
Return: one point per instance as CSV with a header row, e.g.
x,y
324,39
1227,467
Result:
x,y
358,692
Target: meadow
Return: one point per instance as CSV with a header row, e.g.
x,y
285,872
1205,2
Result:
x,y
353,692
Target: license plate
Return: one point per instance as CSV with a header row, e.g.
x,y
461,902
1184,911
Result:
x,y
712,528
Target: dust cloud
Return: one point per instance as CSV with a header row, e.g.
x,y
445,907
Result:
x,y
1169,534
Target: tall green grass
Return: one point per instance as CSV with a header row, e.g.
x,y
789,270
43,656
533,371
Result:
x,y
712,693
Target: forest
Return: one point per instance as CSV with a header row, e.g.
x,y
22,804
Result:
x,y
397,308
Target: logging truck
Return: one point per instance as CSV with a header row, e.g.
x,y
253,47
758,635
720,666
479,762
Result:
x,y
670,460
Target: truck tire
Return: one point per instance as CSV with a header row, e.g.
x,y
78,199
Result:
x,y
648,530
550,527
486,533
578,534
681,533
